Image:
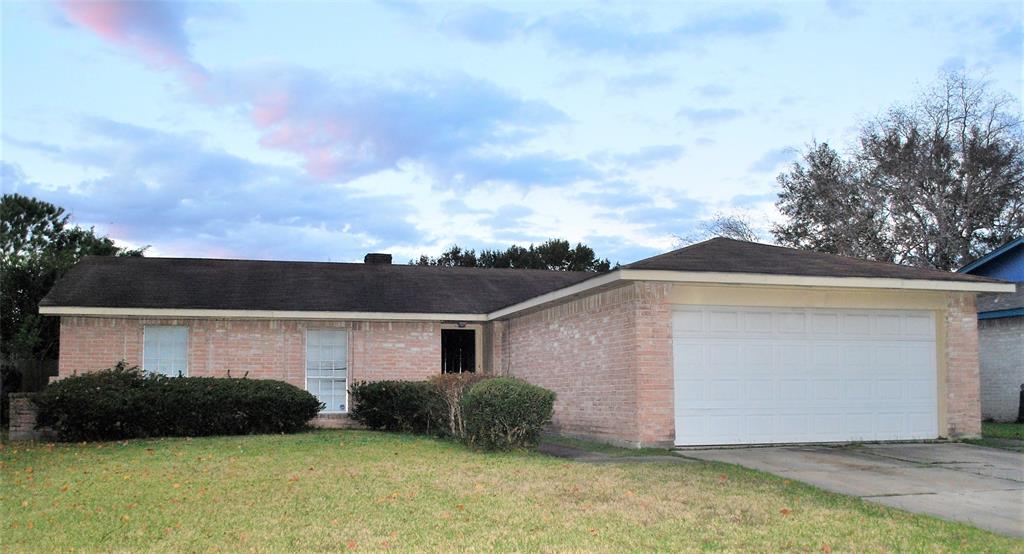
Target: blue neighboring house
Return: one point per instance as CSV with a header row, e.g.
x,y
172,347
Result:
x,y
1001,332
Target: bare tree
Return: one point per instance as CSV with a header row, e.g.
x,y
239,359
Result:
x,y
933,183
731,226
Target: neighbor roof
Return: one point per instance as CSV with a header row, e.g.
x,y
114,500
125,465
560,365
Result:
x,y
186,283
736,256
992,256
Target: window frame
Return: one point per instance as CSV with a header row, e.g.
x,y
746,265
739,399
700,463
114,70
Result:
x,y
305,365
478,344
146,328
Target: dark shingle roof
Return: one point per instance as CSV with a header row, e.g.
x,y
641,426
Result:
x,y
189,283
1006,301
736,256
186,283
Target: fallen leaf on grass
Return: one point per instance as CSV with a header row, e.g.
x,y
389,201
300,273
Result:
x,y
352,545
785,511
826,549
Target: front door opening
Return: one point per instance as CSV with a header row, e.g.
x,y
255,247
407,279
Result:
x,y
458,350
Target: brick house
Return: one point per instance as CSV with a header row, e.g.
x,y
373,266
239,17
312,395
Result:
x,y
1001,332
722,342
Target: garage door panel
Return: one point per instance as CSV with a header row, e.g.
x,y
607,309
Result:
x,y
856,324
803,375
757,323
719,321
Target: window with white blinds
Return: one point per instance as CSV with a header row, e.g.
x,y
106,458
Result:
x,y
327,368
165,349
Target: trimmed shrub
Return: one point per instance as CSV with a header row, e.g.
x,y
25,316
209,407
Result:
x,y
505,413
447,413
394,405
123,402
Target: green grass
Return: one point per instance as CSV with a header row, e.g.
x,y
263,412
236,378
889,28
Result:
x,y
1003,430
337,490
606,449
1001,435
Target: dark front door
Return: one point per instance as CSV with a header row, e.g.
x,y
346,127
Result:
x,y
458,350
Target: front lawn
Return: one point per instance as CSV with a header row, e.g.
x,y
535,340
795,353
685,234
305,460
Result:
x,y
337,490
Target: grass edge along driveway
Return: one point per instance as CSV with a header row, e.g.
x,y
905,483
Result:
x,y
359,490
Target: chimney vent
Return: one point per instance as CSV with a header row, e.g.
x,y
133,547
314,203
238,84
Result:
x,y
377,259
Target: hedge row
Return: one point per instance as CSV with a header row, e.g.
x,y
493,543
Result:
x,y
491,413
123,402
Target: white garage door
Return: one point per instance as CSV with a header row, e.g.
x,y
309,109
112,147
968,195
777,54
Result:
x,y
770,375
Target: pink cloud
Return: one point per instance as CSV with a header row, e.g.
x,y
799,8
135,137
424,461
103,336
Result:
x,y
153,29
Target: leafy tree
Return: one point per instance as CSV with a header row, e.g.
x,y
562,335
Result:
x,y
934,183
37,245
553,254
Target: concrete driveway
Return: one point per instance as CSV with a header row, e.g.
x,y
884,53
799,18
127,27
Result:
x,y
977,485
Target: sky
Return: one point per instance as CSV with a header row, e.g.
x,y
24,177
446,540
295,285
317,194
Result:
x,y
325,130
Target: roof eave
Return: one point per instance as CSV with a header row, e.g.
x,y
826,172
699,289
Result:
x,y
814,281
92,311
764,279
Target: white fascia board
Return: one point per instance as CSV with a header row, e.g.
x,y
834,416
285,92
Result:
x,y
252,314
808,281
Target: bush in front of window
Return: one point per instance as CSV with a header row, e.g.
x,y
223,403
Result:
x,y
505,413
123,403
408,406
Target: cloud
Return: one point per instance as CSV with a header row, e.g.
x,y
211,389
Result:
x,y
844,8
712,90
347,129
644,158
154,29
748,201
541,169
483,24
708,116
186,198
584,33
634,82
772,159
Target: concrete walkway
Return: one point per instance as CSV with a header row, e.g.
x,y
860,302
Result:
x,y
973,484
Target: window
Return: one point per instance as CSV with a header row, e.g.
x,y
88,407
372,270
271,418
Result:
x,y
165,349
327,367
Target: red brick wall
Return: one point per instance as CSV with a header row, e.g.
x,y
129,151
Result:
x,y
963,384
270,349
604,355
